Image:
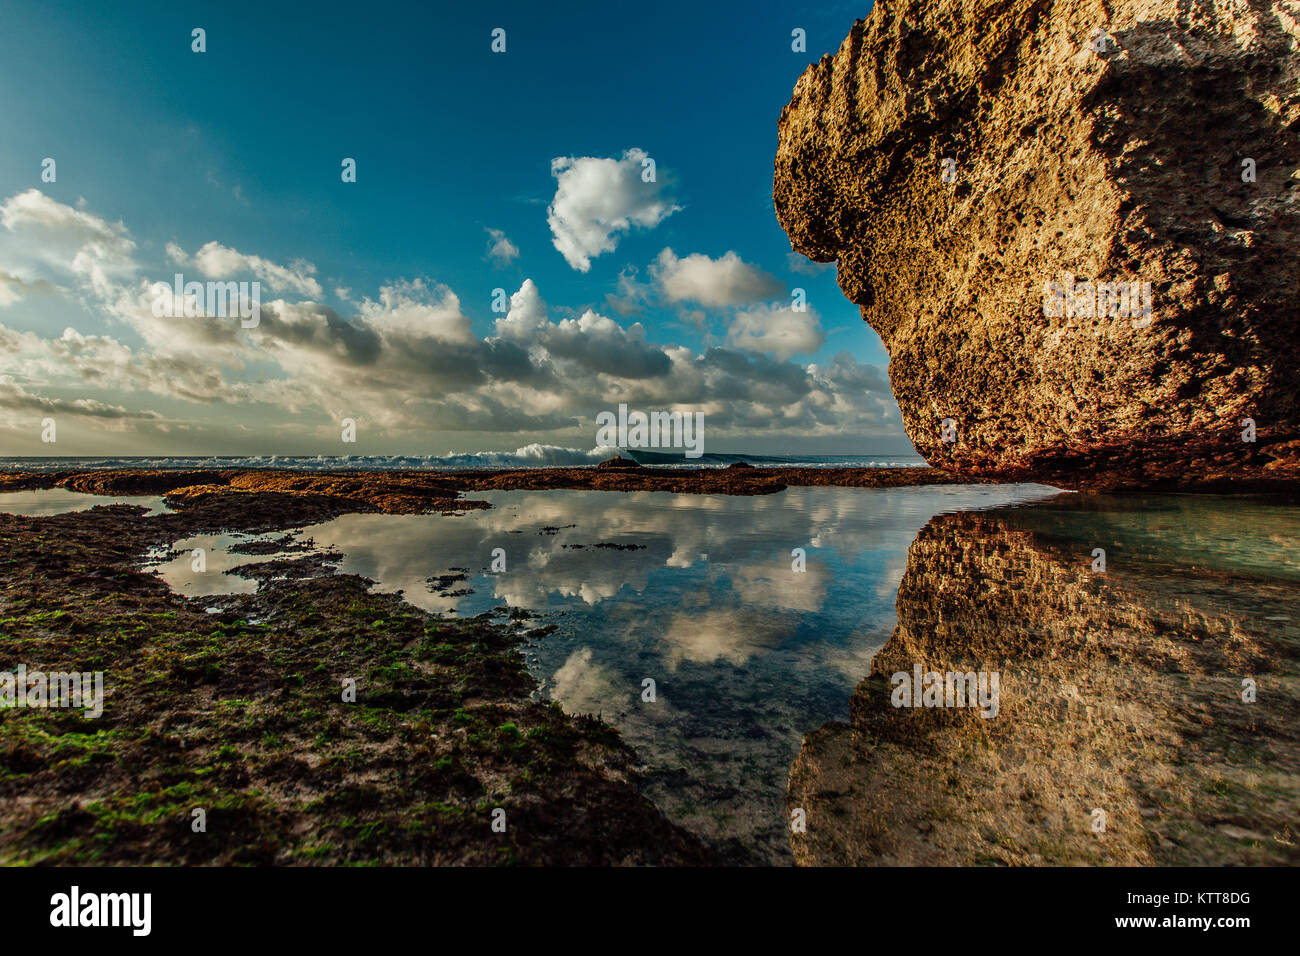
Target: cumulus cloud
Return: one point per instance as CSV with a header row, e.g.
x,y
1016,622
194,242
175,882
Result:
x,y
501,251
44,238
527,315
713,283
598,200
730,634
419,308
602,345
593,341
406,361
103,362
216,261
586,687
776,330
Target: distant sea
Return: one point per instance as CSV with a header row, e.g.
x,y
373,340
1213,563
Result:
x,y
530,456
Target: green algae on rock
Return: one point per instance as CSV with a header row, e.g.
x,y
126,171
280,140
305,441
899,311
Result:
x,y
242,714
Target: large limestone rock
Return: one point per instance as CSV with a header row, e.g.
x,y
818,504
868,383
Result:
x,y
1077,156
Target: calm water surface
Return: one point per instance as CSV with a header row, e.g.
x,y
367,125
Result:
x,y
56,501
757,618
695,593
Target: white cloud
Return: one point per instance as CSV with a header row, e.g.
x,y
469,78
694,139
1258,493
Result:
x,y
501,251
10,290
43,238
587,688
420,309
216,261
598,200
593,341
527,315
777,330
713,283
407,362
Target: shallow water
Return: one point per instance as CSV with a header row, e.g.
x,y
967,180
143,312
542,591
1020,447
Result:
x,y
1149,709
43,502
699,595
1121,688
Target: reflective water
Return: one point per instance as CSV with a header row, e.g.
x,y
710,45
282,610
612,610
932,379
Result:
x,y
699,594
56,501
1149,707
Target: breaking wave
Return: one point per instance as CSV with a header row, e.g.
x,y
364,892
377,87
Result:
x,y
534,455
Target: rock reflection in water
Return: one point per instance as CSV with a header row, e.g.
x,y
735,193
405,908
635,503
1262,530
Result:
x,y
1121,694
696,592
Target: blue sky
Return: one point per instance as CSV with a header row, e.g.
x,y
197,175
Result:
x,y
377,294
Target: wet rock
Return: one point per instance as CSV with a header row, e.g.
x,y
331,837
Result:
x,y
619,462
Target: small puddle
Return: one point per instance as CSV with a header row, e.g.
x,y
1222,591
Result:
x,y
198,565
43,502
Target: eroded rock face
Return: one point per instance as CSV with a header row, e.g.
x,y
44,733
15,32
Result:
x,y
1114,157
1120,691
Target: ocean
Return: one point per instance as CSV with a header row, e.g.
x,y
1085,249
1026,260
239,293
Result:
x,y
530,456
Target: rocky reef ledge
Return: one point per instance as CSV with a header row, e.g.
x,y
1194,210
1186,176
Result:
x,y
1004,185
321,495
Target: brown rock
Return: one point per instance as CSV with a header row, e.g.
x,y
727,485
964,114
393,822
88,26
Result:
x,y
618,461
1069,163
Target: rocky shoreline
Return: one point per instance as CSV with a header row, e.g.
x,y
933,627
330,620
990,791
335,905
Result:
x,y
415,492
241,714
